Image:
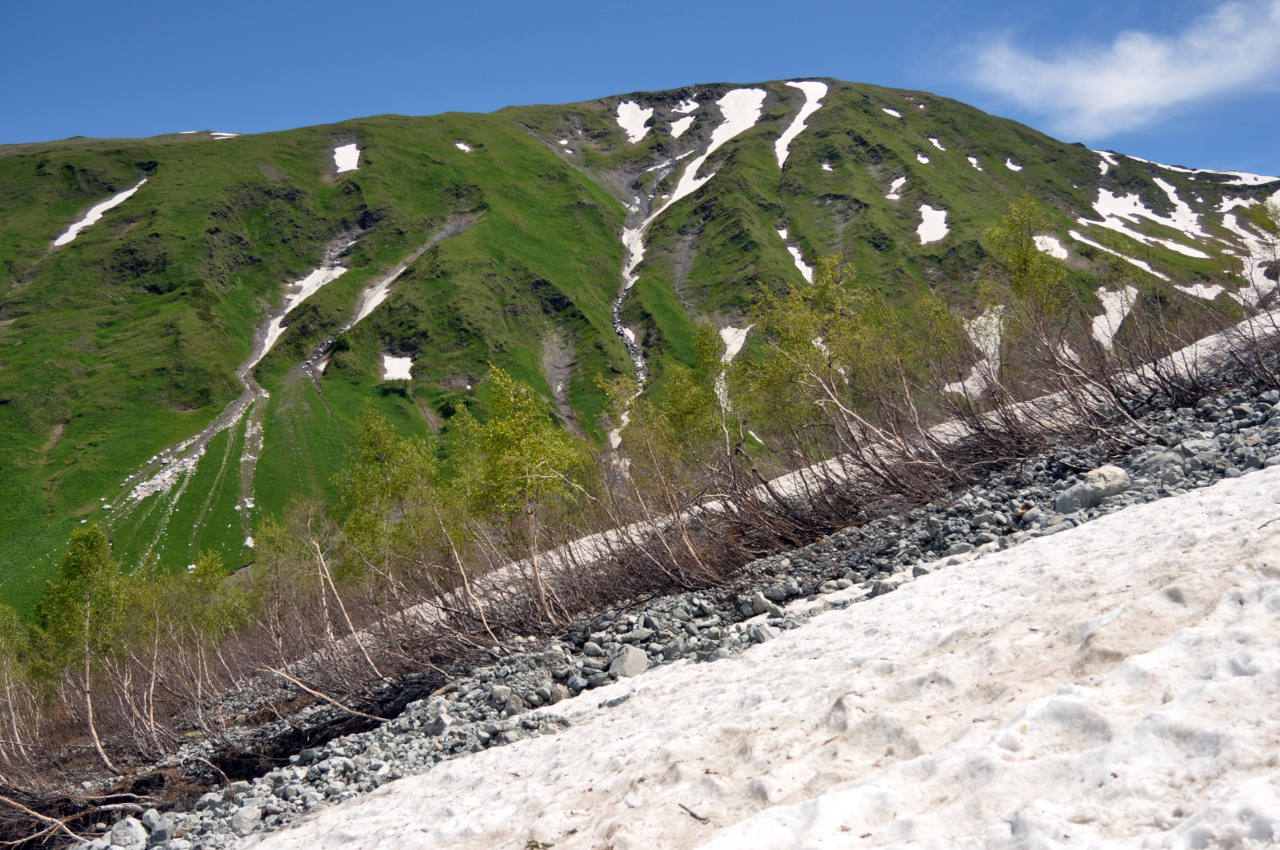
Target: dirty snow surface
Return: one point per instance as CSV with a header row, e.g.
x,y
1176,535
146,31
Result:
x,y
814,92
95,213
933,224
346,158
632,119
1110,686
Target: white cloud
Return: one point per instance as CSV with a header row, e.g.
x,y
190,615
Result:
x,y
1139,77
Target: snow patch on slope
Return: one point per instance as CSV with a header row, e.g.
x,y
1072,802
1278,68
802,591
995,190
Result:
x,y
294,294
633,119
921,158
984,332
1142,264
741,110
933,224
346,158
1201,290
680,125
463,146
1011,165
887,111
937,144
1116,210
95,213
397,368
973,160
814,92
1116,304
806,270
1051,245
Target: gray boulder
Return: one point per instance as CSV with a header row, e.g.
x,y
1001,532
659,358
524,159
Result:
x,y
129,834
1098,484
630,661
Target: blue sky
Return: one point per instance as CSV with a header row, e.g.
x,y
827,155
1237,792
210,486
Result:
x,y
1190,82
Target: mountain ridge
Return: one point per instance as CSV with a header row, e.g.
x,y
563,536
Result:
x,y
145,314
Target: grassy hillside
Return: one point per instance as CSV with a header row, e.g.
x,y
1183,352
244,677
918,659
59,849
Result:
x,y
126,340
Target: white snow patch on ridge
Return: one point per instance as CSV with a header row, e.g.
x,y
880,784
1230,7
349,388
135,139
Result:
x,y
814,92
933,224
1051,245
397,368
346,158
632,118
95,213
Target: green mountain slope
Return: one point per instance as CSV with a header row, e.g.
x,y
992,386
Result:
x,y
135,384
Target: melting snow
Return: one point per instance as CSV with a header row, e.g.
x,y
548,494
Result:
x,y
937,144
1108,161
223,135
96,211
806,270
1201,290
895,188
1257,253
1011,165
679,126
462,146
933,224
294,294
396,368
346,158
973,160
924,160
632,118
1142,264
685,107
741,110
887,111
1115,209
1052,246
734,338
814,92
1116,304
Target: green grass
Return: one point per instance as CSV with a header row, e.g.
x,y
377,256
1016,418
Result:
x,y
125,341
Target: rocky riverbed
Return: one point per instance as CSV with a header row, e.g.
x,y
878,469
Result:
x,y
491,706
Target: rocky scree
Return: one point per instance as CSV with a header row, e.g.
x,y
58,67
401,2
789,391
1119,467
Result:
x,y
509,699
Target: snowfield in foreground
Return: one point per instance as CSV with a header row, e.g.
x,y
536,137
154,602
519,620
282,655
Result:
x,y
1110,686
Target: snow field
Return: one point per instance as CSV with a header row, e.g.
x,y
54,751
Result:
x,y
397,368
1201,290
1116,210
294,294
680,125
734,339
346,158
984,332
1111,686
95,213
933,224
632,119
814,92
